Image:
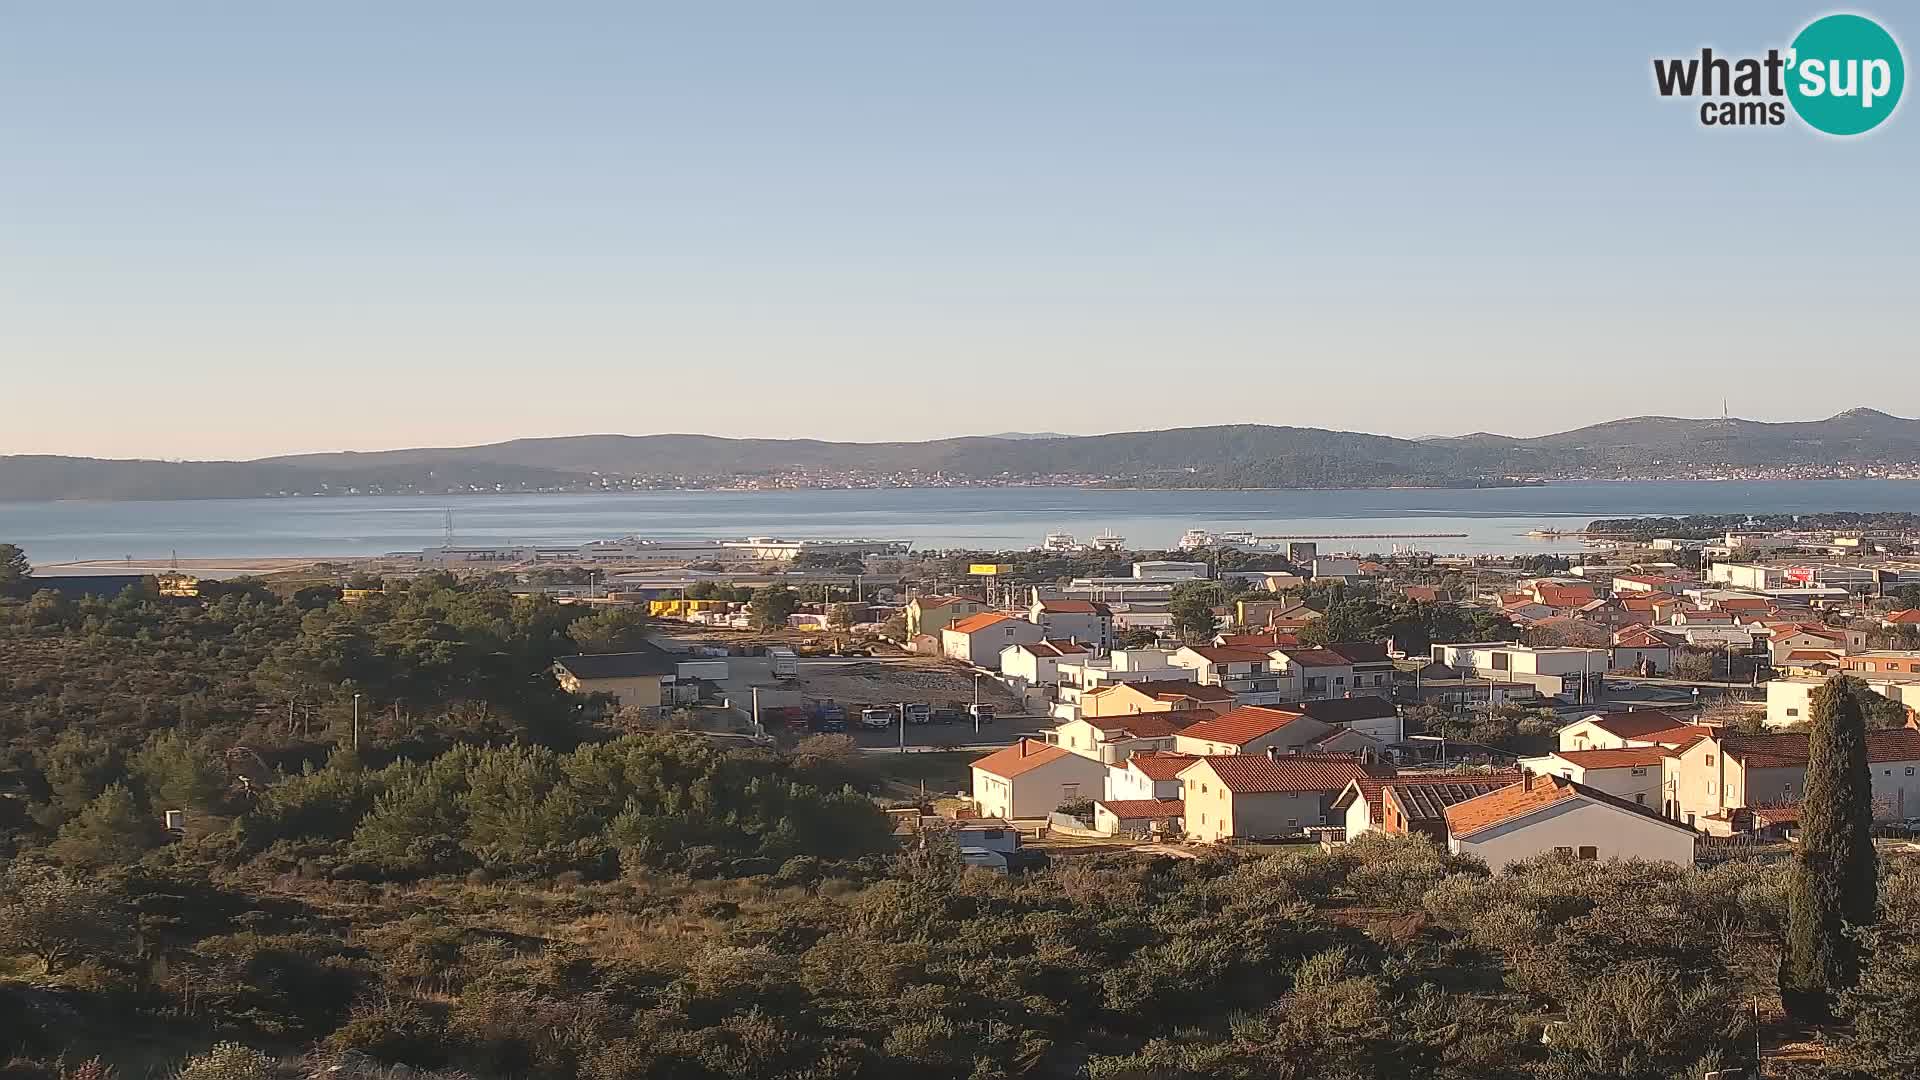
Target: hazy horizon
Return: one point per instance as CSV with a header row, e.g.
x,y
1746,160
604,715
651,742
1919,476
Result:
x,y
230,231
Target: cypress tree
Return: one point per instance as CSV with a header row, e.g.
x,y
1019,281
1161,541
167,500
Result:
x,y
1834,877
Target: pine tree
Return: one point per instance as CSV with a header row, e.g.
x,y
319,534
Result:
x,y
1834,875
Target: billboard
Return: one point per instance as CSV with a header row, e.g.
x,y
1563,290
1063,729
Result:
x,y
1800,574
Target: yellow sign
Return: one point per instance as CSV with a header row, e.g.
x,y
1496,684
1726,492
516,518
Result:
x,y
990,569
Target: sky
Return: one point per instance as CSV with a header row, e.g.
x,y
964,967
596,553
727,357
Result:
x,y
239,229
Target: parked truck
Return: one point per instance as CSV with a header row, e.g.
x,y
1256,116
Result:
x,y
785,664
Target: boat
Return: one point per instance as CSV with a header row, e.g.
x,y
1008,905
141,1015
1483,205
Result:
x,y
1108,540
1059,542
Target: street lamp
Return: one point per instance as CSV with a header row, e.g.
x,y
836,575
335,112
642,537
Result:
x,y
976,704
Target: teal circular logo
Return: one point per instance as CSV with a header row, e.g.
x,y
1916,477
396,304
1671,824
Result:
x,y
1845,74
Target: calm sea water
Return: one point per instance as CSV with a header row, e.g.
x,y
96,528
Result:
x,y
1495,520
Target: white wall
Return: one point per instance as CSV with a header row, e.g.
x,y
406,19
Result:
x,y
1789,702
1036,792
1577,823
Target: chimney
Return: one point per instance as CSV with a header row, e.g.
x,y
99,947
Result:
x,y
1025,747
1273,753
1526,779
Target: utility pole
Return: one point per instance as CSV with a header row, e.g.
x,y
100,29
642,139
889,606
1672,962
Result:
x,y
903,727
356,721
758,727
976,704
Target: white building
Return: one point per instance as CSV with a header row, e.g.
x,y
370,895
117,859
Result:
x,y
1554,671
1790,700
1633,773
1037,663
1031,779
1551,814
1089,622
1150,774
978,639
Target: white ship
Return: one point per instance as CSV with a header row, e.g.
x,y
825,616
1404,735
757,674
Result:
x,y
1109,540
1059,542
1196,539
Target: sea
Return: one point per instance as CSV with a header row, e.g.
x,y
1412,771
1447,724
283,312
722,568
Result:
x,y
1491,520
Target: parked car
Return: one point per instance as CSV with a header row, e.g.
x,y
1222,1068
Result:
x,y
876,719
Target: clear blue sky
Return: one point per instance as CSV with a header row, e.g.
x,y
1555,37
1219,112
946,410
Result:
x,y
233,229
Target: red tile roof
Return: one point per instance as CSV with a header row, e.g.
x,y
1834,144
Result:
x,y
1135,809
1242,725
1813,656
1639,637
1635,725
1023,756
1262,641
1218,695
1638,757
1221,654
1073,607
1258,774
1528,796
1788,749
1316,657
976,623
1909,617
1453,787
1051,648
1360,652
1159,764
1146,725
1422,594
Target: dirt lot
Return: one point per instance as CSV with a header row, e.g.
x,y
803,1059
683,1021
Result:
x,y
914,679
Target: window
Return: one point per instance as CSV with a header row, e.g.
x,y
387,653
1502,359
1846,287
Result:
x,y
1709,759
1203,819
1069,791
1793,712
1909,770
1563,851
1339,680
1638,770
1293,823
1589,853
1641,798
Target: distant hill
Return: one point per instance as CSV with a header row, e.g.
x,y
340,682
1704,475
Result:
x,y
1228,456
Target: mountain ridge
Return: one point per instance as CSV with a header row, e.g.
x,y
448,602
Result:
x,y
1218,456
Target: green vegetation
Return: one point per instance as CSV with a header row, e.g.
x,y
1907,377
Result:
x,y
1834,864
1411,625
491,888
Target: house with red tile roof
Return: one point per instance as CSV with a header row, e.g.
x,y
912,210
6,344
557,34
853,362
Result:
x,y
1904,619
1030,779
1138,817
1643,651
1149,774
1617,729
978,639
1730,770
1114,739
1251,729
932,614
1634,773
1086,621
1251,796
1551,814
1412,803
1037,663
